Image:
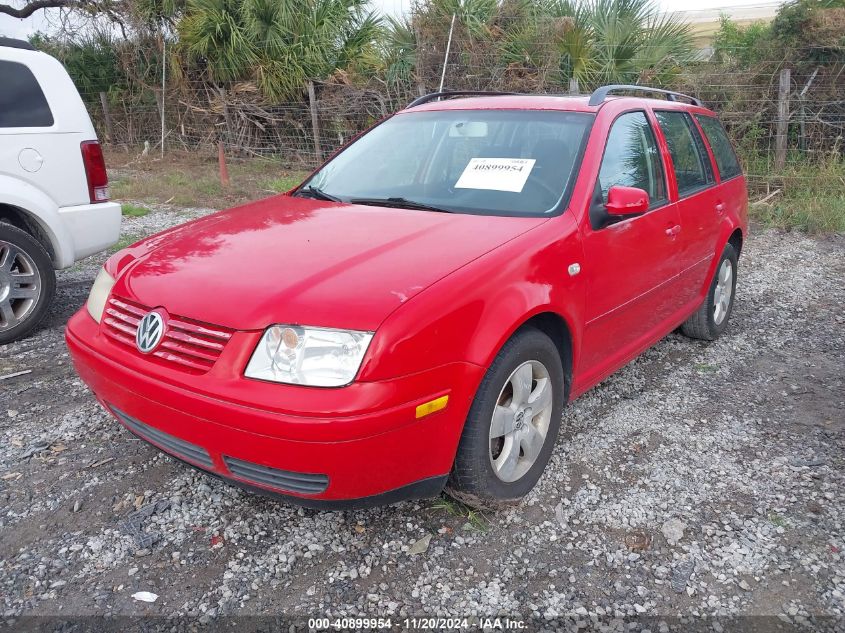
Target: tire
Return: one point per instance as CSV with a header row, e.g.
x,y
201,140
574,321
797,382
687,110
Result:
x,y
27,283
474,479
710,320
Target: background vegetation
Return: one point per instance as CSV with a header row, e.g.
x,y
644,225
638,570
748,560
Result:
x,y
240,72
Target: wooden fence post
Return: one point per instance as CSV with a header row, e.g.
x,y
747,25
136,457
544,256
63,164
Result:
x,y
221,164
104,102
783,119
315,121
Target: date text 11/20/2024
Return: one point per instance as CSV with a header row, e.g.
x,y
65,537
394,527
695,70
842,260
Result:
x,y
421,623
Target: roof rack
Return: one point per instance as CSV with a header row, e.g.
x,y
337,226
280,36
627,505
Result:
x,y
9,42
455,93
598,97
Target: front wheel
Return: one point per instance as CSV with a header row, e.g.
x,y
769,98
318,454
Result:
x,y
711,319
27,283
512,425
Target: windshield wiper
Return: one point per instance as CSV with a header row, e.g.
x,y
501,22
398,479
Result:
x,y
403,203
317,193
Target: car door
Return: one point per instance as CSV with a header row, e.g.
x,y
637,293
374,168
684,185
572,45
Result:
x,y
691,177
632,264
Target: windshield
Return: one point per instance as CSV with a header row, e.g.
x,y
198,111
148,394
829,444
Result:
x,y
494,162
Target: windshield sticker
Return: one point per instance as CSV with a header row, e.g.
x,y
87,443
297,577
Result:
x,y
497,174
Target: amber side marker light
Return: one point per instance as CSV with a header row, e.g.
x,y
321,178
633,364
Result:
x,y
432,406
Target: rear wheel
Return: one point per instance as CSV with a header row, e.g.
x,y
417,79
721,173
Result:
x,y
711,319
512,425
27,283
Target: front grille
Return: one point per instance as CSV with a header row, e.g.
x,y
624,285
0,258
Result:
x,y
169,444
281,479
189,345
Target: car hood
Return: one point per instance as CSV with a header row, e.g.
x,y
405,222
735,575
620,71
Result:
x,y
302,261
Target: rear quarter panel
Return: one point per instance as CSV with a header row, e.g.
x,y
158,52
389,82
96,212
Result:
x,y
734,194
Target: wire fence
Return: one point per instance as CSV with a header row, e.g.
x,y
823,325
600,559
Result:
x,y
773,126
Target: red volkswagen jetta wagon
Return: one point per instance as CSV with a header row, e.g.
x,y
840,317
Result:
x,y
416,314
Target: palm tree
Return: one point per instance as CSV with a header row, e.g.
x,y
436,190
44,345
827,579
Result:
x,y
633,41
553,41
91,61
398,52
279,44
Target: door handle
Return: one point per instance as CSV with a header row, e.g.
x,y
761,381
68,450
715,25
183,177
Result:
x,y
672,231
720,208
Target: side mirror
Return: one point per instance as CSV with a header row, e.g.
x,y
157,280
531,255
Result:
x,y
626,201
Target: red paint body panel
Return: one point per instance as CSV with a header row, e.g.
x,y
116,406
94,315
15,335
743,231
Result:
x,y
442,292
363,452
299,260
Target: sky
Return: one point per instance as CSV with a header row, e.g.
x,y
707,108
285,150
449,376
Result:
x,y
11,27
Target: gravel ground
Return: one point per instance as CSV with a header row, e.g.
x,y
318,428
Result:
x,y
701,480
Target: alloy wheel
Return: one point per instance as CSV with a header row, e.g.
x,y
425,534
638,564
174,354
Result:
x,y
20,285
723,292
520,421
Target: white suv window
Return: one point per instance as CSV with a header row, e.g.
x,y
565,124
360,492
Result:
x,y
22,102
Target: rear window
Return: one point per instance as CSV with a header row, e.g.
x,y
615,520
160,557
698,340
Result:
x,y
726,159
22,102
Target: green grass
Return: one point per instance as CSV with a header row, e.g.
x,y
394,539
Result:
x,y
123,242
819,214
283,183
134,211
475,520
188,180
811,195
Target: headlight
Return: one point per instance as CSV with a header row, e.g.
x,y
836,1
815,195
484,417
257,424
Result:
x,y
313,356
99,294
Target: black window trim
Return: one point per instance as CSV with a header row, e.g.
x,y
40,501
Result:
x,y
705,160
701,115
654,205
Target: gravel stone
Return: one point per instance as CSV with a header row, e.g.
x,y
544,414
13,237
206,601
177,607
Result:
x,y
741,440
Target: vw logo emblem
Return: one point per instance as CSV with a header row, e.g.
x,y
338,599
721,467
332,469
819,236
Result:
x,y
150,331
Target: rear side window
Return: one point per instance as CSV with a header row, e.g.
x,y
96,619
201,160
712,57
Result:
x,y
631,158
22,102
690,159
726,159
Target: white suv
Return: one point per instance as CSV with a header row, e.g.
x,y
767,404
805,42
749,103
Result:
x,y
54,207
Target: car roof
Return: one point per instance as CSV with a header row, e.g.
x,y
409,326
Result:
x,y
563,103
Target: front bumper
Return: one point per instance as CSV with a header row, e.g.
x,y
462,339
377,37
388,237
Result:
x,y
315,456
92,227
